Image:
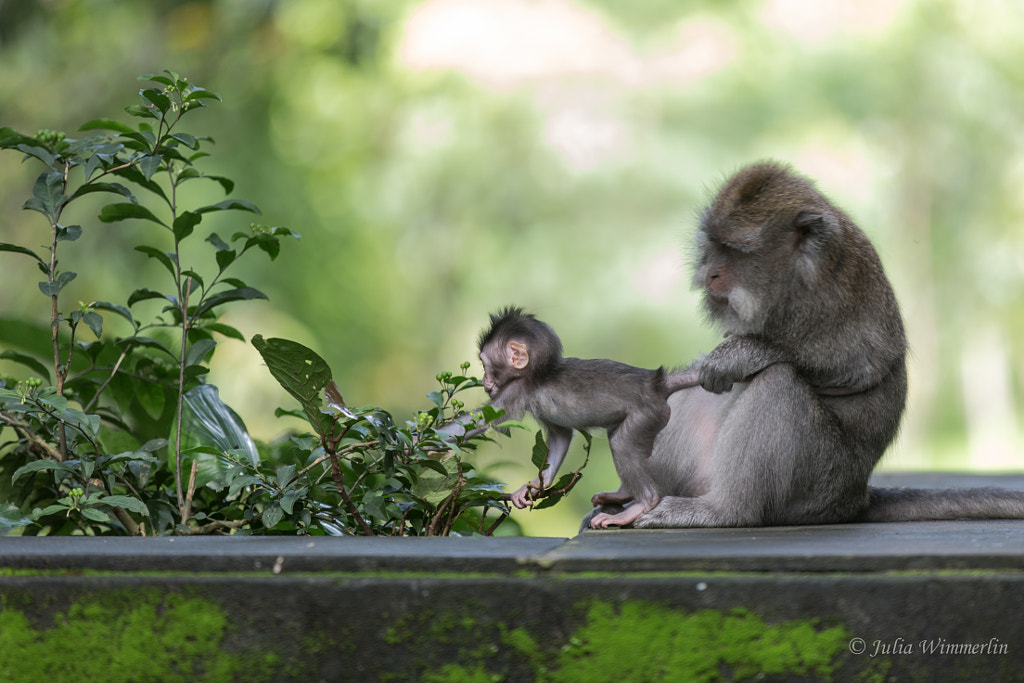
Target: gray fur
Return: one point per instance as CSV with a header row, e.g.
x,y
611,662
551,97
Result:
x,y
798,404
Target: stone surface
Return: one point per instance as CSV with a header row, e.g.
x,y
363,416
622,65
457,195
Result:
x,y
924,600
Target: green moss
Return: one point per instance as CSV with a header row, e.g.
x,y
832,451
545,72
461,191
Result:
x,y
639,641
629,642
129,635
456,673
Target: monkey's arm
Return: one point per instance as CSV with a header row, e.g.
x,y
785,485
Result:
x,y
559,439
735,360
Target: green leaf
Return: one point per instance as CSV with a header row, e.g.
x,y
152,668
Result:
x,y
120,310
114,188
10,138
164,257
96,515
185,223
48,195
106,124
218,244
238,294
34,150
39,465
227,330
272,515
11,517
435,466
229,204
202,93
195,280
300,371
135,175
69,233
238,483
153,445
226,183
140,111
14,248
290,497
28,362
198,351
157,78
156,98
122,211
53,288
129,503
285,474
187,140
225,258
144,294
149,343
149,165
95,322
540,452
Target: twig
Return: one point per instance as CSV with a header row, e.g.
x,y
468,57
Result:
x,y
326,456
30,436
339,481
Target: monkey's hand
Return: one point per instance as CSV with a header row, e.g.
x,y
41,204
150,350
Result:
x,y
716,373
524,496
737,359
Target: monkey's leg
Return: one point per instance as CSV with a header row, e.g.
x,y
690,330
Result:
x,y
620,497
631,445
774,456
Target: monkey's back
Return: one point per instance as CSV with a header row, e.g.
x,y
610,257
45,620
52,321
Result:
x,y
585,393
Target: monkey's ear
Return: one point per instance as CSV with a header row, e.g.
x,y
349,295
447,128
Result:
x,y
815,230
518,355
814,222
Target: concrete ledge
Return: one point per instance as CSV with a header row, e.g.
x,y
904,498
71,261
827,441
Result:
x,y
926,601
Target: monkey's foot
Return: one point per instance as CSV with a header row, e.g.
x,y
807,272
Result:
x,y
603,520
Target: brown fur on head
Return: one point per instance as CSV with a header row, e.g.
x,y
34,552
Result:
x,y
516,345
783,244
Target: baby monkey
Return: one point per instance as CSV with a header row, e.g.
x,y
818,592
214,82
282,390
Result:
x,y
524,371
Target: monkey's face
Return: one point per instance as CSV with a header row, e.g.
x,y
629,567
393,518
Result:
x,y
503,364
497,373
726,274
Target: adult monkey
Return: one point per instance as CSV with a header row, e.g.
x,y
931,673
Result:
x,y
807,391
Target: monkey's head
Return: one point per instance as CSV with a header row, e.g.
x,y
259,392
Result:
x,y
767,237
516,346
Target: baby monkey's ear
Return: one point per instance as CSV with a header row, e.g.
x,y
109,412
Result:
x,y
517,354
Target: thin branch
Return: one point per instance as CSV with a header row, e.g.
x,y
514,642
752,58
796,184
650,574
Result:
x,y
31,437
339,481
323,458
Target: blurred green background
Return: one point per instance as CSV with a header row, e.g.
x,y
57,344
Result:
x,y
444,158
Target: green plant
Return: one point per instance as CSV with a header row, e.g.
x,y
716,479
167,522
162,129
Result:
x,y
366,474
123,392
121,434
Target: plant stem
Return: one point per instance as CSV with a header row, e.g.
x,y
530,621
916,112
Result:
x,y
339,481
183,299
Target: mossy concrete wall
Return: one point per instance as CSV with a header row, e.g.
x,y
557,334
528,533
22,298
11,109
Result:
x,y
926,601
931,601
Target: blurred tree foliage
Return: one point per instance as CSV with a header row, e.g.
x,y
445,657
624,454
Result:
x,y
444,158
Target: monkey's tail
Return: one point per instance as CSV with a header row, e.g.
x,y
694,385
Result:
x,y
909,505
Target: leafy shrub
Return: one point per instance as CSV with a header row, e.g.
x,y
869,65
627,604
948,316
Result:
x,y
119,434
